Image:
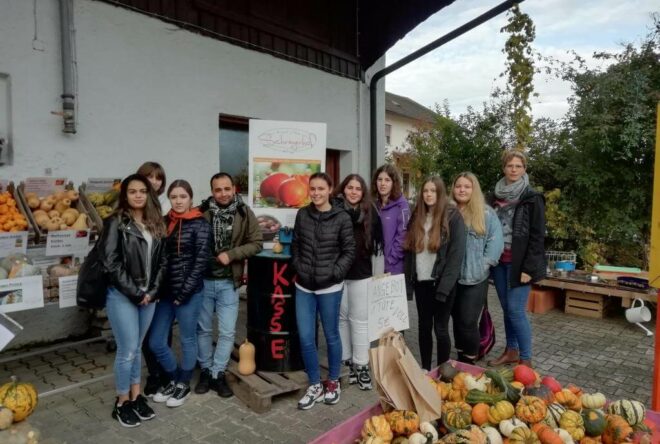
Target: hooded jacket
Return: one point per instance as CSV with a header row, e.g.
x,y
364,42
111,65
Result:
x,y
394,218
323,247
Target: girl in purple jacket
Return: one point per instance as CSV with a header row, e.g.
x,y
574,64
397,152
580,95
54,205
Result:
x,y
394,213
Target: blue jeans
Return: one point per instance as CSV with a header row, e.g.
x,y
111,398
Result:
x,y
129,323
514,306
187,315
219,295
327,305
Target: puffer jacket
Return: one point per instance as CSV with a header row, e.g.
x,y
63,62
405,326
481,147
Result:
x,y
323,247
123,252
188,249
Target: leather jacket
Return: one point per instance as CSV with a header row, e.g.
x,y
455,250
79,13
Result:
x,y
123,252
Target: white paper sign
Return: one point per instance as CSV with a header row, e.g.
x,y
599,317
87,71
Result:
x,y
67,243
67,293
43,186
388,305
21,294
8,330
13,243
100,185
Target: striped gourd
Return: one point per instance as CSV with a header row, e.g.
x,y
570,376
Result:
x,y
632,411
19,397
553,415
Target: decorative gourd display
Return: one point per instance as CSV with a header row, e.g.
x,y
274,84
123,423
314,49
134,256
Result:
x,y
506,373
594,422
456,415
542,392
480,413
523,435
617,430
246,364
593,401
577,391
546,434
11,219
377,426
21,398
476,396
447,372
512,393
469,435
572,422
500,411
54,212
551,383
6,417
508,425
632,411
553,415
568,399
531,409
524,375
458,384
403,422
493,434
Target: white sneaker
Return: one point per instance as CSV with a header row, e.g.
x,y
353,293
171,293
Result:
x,y
181,392
332,392
313,395
164,393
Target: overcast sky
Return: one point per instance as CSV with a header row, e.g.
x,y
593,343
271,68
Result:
x,y
464,71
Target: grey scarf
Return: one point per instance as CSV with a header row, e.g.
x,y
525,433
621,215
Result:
x,y
223,222
507,196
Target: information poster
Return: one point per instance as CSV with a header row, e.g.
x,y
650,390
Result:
x,y
21,294
67,243
282,157
388,305
44,186
67,294
13,243
101,185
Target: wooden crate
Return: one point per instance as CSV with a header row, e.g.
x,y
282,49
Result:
x,y
586,304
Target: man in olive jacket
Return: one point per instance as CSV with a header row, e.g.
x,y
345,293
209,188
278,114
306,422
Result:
x,y
236,237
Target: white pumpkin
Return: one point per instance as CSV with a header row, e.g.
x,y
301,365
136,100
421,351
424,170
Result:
x,y
507,426
493,435
593,400
565,436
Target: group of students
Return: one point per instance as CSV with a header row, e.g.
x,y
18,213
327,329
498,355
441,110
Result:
x,y
158,247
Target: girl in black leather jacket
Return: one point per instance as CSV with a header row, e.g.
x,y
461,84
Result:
x,y
188,247
132,253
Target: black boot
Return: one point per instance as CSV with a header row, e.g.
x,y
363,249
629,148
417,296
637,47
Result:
x,y
222,387
204,382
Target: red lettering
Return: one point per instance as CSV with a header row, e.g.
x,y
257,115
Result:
x,y
276,348
278,276
278,311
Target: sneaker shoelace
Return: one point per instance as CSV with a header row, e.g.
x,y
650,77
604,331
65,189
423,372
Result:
x,y
179,390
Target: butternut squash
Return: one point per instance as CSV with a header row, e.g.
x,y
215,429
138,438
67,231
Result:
x,y
246,364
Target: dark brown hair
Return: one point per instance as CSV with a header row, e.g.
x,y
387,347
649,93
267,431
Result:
x,y
365,205
323,176
180,183
152,217
394,174
220,175
439,219
149,168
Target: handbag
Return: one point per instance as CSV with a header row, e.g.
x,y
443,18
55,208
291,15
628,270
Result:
x,y
92,282
486,333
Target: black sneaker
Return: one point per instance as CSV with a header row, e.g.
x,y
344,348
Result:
x,y
363,377
142,409
181,392
152,385
204,383
164,393
125,415
352,374
222,387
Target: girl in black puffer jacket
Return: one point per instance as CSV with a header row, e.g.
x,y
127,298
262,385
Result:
x,y
323,250
188,247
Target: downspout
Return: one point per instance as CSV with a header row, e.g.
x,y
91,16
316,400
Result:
x,y
373,85
68,87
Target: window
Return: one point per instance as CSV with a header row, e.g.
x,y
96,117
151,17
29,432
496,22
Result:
x,y
234,149
388,134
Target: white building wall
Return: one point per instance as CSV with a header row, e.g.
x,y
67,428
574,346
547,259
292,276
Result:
x,y
401,128
148,90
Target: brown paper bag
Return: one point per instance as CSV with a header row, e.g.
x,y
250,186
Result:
x,y
427,401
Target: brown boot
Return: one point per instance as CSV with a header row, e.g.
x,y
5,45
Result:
x,y
526,362
509,356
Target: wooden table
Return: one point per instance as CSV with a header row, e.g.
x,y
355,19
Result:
x,y
626,294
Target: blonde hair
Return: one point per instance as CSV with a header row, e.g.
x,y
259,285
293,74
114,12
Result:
x,y
507,155
474,213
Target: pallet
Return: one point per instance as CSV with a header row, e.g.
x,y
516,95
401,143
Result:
x,y
258,390
587,305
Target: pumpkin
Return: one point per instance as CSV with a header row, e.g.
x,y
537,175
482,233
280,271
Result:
x,y
512,393
546,434
469,435
6,418
403,422
565,436
542,392
506,373
531,409
428,430
524,375
19,397
594,422
443,389
246,364
593,401
553,415
631,411
447,372
551,383
419,438
617,430
493,434
572,422
568,399
459,383
508,425
480,383
480,413
377,426
456,415
591,440
577,391
500,411
401,440
523,435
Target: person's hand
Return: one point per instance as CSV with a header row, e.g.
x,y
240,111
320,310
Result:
x,y
145,300
524,278
223,258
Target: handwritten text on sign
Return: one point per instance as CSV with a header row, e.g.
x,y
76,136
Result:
x,y
388,305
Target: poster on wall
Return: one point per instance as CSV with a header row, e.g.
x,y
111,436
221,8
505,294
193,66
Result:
x,y
21,293
282,157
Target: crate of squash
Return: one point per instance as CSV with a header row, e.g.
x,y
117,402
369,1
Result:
x,y
100,197
53,205
13,214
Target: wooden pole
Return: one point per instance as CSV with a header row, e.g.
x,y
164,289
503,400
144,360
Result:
x,y
654,259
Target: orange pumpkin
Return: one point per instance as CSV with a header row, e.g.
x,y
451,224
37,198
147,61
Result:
x,y
546,434
591,440
617,430
403,422
531,409
480,413
443,389
568,399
